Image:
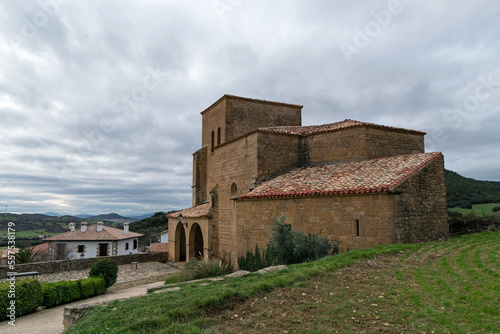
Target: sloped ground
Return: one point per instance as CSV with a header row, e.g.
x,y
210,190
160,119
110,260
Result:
x,y
450,286
446,287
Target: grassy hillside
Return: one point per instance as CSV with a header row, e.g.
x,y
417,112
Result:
x,y
480,210
30,227
464,192
151,227
442,287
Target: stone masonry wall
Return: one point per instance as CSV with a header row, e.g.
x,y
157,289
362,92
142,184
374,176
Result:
x,y
200,176
212,120
421,207
332,217
277,153
244,116
362,143
81,264
234,163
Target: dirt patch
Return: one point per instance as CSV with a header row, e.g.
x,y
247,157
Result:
x,y
370,289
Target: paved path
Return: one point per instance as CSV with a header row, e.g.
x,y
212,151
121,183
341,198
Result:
x,y
50,321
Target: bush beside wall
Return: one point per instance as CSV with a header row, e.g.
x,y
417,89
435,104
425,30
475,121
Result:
x,y
99,285
86,288
28,296
287,246
63,292
107,269
70,291
51,295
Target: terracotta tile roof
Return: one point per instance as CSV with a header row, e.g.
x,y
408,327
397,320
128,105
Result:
x,y
193,212
345,124
42,248
108,233
308,130
157,247
368,176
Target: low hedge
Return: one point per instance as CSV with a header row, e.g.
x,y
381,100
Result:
x,y
69,291
27,296
51,295
99,285
86,288
63,292
30,294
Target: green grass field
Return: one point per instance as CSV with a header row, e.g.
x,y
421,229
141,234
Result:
x,y
26,234
479,210
449,286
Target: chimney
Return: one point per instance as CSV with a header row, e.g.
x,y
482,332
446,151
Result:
x,y
72,227
84,227
100,226
125,228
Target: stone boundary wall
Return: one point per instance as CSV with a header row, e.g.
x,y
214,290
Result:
x,y
50,267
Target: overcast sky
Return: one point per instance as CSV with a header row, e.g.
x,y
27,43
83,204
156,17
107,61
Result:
x,y
100,101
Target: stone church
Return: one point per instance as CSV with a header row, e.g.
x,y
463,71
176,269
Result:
x,y
360,183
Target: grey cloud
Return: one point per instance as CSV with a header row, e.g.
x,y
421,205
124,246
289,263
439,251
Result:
x,y
68,146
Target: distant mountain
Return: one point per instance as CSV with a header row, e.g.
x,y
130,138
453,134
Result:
x,y
83,215
108,216
464,192
141,216
52,214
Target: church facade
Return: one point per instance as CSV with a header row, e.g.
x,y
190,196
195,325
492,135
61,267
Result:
x,y
362,184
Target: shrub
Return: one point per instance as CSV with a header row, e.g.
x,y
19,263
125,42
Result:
x,y
197,269
63,292
253,261
26,255
68,290
496,209
105,268
28,296
99,285
472,224
86,287
51,295
289,246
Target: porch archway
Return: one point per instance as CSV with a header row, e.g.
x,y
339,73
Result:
x,y
180,245
196,242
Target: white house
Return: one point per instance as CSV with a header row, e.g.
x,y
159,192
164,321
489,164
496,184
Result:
x,y
164,237
93,241
160,246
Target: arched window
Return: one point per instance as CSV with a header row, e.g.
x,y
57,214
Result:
x,y
213,140
135,243
218,136
126,246
234,189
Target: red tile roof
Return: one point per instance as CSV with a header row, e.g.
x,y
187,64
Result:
x,y
308,130
193,212
157,247
368,176
42,248
108,233
345,124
